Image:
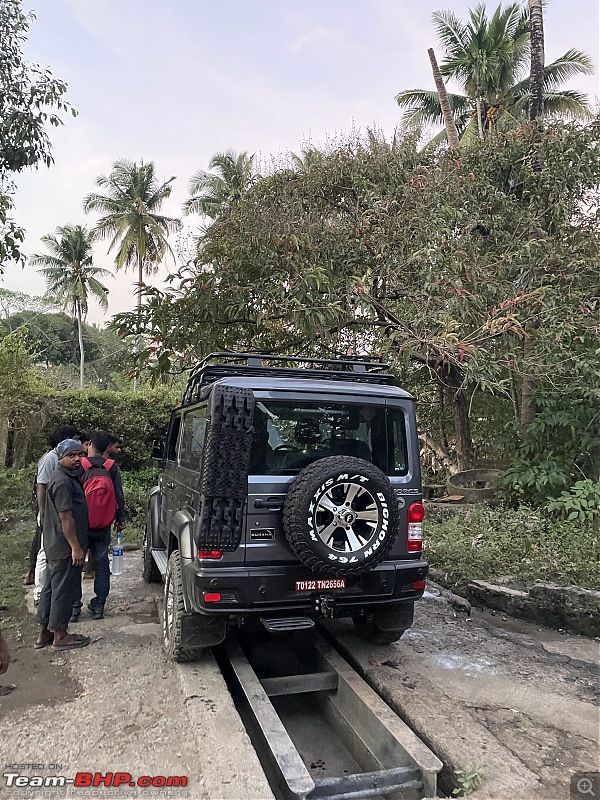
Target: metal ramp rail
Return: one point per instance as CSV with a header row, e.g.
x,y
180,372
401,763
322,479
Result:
x,y
394,762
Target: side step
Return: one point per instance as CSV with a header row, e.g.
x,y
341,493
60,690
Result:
x,y
160,556
280,624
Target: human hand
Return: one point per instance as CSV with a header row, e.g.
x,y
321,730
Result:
x,y
120,526
78,556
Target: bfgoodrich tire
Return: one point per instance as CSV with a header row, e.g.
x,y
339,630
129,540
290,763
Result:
x,y
340,516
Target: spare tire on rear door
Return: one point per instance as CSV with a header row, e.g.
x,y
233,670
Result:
x,y
340,516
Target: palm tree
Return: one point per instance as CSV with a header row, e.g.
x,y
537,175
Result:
x,y
71,277
489,59
210,193
131,207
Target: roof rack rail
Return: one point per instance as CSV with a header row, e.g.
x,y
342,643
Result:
x,y
222,365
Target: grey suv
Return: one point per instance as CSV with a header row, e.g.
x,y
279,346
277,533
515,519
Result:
x,y
290,490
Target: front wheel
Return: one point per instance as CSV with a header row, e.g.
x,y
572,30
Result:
x,y
150,570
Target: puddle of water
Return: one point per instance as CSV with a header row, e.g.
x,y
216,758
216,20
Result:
x,y
469,666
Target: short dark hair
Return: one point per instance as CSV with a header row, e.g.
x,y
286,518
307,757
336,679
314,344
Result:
x,y
66,432
84,436
100,440
115,439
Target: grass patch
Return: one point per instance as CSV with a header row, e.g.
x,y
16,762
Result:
x,y
516,546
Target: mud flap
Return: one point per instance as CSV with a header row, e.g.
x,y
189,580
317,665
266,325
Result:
x,y
225,463
199,631
395,618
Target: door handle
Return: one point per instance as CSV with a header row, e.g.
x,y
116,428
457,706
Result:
x,y
271,504
170,485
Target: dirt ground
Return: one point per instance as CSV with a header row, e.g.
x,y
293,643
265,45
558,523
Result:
x,y
519,703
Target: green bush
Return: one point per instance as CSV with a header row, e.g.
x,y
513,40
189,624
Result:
x,y
523,546
137,418
581,502
136,488
16,487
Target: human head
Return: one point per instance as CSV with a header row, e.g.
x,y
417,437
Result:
x,y
69,453
99,441
59,435
85,441
115,448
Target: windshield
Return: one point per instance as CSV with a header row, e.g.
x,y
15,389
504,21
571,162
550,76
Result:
x,y
289,436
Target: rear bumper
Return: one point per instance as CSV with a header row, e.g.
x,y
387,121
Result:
x,y
257,590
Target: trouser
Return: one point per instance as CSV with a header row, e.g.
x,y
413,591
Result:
x,y
36,544
98,544
56,601
41,572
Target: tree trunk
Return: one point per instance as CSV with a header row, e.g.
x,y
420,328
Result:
x,y
139,310
536,75
81,351
480,119
536,110
452,381
451,131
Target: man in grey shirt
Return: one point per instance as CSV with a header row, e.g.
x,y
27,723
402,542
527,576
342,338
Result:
x,y
46,466
65,535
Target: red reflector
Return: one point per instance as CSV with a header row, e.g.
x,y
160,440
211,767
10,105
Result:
x,y
212,597
204,554
419,584
415,512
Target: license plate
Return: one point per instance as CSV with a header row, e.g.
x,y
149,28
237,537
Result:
x,y
327,583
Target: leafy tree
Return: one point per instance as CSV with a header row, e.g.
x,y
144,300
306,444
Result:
x,y
419,256
488,57
30,98
51,339
138,232
71,277
212,193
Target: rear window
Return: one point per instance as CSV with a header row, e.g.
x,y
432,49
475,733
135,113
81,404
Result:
x,y
289,436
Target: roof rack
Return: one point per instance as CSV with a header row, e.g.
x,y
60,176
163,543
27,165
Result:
x,y
222,365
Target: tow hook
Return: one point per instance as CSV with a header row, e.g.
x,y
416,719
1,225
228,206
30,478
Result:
x,y
324,605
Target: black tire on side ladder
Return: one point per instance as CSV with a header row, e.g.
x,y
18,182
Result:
x,y
150,570
340,516
385,625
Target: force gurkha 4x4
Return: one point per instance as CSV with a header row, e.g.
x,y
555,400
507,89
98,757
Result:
x,y
289,490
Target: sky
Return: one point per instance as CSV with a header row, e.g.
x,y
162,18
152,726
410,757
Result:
x,y
174,82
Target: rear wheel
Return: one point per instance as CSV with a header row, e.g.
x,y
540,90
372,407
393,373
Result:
x,y
186,636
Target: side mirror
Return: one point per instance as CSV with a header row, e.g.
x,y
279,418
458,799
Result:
x,y
158,449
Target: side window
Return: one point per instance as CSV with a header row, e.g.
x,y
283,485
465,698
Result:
x,y
173,436
192,439
397,441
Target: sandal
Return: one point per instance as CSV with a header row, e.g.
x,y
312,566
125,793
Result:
x,y
43,643
78,641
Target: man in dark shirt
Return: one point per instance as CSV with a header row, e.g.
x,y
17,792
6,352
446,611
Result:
x,y
65,540
99,538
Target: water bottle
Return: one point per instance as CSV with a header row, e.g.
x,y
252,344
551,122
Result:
x,y
117,558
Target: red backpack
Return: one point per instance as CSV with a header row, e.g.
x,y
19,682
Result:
x,y
99,493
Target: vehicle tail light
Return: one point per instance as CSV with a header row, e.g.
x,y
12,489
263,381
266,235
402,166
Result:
x,y
419,584
212,597
205,555
414,527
